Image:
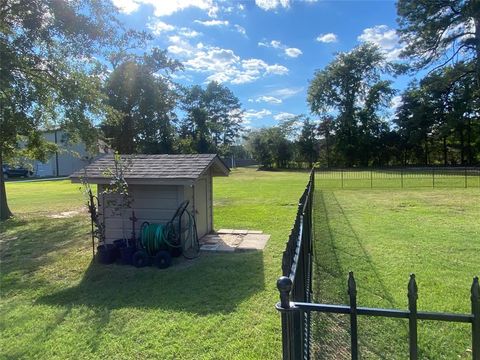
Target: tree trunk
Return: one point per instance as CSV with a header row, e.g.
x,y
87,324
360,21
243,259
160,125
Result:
x,y
476,21
5,212
469,142
462,148
426,151
445,159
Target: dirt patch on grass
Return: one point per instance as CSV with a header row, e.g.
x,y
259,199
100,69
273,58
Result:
x,y
66,214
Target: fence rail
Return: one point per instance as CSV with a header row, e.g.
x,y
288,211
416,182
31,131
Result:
x,y
399,177
295,287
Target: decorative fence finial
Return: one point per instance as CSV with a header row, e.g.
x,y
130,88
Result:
x,y
284,285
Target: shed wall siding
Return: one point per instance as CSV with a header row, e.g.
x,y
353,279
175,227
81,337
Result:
x,y
155,204
201,206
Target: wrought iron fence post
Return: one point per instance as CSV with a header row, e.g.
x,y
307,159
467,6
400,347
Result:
x,y
352,293
466,177
475,291
371,179
433,178
341,172
401,176
412,317
291,331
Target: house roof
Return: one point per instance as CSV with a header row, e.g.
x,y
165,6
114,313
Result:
x,y
153,169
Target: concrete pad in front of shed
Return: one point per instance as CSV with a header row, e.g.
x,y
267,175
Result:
x,y
254,242
230,240
224,231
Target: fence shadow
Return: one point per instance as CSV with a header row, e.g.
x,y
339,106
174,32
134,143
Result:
x,y
333,259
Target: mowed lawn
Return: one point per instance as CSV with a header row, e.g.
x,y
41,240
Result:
x,y
58,304
383,235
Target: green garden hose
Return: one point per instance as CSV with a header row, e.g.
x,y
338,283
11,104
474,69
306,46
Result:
x,y
157,237
154,238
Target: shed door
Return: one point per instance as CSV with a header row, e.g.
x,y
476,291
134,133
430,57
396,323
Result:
x,y
201,206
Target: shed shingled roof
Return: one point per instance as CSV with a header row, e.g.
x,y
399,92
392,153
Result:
x,y
155,167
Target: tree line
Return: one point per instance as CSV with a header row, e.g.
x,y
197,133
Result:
x,y
438,117
144,101
72,64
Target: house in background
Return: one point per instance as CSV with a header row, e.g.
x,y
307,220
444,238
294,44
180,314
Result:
x,y
68,159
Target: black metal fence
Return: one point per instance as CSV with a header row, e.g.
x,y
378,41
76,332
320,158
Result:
x,y
295,287
296,282
410,177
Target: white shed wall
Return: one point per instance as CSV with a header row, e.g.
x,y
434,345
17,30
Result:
x,y
157,204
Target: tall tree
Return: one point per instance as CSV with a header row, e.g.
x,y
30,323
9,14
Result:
x,y
48,73
441,31
349,85
224,112
140,90
307,142
270,147
414,121
213,118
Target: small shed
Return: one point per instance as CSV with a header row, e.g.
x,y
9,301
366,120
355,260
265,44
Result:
x,y
157,184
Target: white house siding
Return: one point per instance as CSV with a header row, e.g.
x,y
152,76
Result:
x,y
70,157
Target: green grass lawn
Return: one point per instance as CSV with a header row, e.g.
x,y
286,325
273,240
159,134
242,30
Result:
x,y
57,304
383,236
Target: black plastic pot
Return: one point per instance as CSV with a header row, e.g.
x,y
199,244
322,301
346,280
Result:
x,y
106,254
120,243
126,254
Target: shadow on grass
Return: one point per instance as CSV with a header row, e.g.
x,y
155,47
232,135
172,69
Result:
x,y
339,249
215,283
27,243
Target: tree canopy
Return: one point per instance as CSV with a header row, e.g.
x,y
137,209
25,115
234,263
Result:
x,y
140,91
439,32
213,118
352,88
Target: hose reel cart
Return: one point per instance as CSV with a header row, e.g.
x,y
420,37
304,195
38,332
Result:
x,y
158,243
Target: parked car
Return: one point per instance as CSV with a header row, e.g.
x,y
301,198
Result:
x,y
9,172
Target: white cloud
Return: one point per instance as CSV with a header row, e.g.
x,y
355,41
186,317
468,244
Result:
x,y
165,7
283,116
178,50
180,47
243,78
267,99
285,93
293,52
221,65
386,38
240,29
276,44
212,59
396,102
290,52
256,114
213,22
189,33
158,27
381,35
272,4
327,38
277,69
126,6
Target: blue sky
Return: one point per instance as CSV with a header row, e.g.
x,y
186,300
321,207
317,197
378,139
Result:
x,y
265,51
